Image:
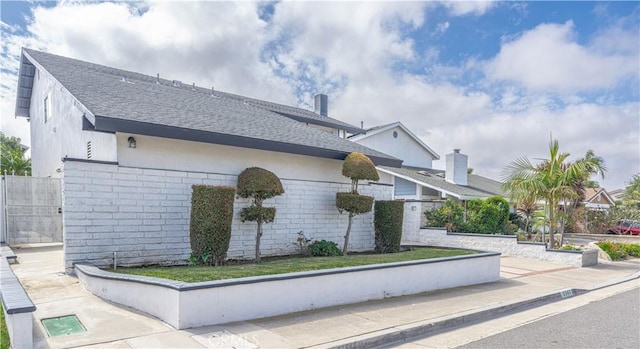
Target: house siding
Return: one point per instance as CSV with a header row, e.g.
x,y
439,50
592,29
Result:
x,y
143,214
61,135
403,147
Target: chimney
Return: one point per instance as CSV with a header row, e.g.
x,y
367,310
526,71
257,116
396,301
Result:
x,y
322,104
456,171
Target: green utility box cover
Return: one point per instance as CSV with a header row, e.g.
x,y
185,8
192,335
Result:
x,y
62,326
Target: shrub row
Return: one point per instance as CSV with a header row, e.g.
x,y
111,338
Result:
x,y
617,250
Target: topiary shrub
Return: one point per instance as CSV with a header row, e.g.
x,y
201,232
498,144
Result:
x,y
356,166
387,220
258,184
210,226
354,203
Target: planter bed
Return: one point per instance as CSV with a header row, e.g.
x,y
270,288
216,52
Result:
x,y
185,305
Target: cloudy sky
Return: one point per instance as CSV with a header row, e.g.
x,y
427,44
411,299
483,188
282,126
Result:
x,y
492,78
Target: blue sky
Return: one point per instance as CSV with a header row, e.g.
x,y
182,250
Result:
x,y
493,78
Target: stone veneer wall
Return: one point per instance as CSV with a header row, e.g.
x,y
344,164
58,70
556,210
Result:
x,y
143,215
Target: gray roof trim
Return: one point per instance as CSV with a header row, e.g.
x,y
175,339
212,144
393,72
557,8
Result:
x,y
25,87
107,124
329,123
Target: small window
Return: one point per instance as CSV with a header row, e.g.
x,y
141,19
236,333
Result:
x,y
47,107
89,150
395,134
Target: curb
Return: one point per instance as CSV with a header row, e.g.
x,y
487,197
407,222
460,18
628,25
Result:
x,y
400,334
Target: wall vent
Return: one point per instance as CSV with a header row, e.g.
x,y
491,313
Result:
x,y
89,150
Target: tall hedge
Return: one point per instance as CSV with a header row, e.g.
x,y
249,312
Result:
x,y
210,227
387,220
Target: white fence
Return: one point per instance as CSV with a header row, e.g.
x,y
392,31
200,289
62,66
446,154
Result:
x,y
31,210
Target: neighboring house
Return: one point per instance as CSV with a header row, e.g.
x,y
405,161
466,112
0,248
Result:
x,y
617,194
128,147
597,199
421,186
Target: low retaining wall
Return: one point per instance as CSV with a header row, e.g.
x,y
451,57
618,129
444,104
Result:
x,y
186,305
18,308
508,245
625,239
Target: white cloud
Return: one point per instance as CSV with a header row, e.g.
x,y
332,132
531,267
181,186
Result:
x,y
492,142
350,51
462,8
548,57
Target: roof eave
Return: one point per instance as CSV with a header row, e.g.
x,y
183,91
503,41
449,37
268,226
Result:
x,y
107,124
25,86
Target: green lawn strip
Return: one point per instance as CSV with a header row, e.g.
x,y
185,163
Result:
x,y
288,265
4,333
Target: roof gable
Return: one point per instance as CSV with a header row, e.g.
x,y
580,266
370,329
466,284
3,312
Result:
x,y
372,132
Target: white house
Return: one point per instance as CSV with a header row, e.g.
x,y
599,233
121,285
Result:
x,y
128,147
416,182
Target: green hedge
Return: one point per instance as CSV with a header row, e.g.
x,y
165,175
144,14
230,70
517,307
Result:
x,y
387,220
210,227
354,203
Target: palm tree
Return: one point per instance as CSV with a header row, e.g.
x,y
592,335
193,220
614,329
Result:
x,y
592,165
551,180
525,208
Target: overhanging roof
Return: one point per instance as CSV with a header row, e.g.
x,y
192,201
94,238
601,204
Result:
x,y
478,187
123,101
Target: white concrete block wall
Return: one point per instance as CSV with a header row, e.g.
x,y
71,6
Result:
x,y
505,244
143,215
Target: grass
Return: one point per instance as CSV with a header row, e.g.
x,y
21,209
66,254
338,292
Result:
x,y
617,250
287,265
4,333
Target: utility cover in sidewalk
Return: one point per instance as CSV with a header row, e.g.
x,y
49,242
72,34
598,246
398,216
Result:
x,y
62,326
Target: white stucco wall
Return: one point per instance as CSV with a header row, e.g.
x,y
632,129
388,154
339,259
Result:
x,y
61,135
143,214
404,147
505,244
218,302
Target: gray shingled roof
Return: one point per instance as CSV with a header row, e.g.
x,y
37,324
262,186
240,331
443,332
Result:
x,y
124,101
478,186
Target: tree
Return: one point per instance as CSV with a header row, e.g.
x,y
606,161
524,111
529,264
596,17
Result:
x,y
591,165
356,166
13,156
632,191
551,180
258,184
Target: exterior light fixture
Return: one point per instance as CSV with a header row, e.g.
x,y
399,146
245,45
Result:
x,y
132,142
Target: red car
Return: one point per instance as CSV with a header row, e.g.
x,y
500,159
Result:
x,y
626,227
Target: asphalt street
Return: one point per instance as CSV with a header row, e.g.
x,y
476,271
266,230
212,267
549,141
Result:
x,y
611,323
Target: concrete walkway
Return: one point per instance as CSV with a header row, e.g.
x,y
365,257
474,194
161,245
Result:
x,y
524,283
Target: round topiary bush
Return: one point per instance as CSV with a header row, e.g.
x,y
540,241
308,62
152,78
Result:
x,y
358,166
258,184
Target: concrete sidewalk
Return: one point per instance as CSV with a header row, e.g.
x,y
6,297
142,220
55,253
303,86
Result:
x,y
524,283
